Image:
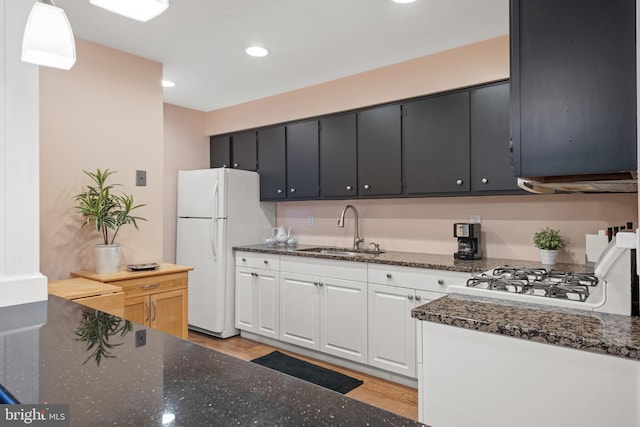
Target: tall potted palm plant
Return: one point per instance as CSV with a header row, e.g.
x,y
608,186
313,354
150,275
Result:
x,y
107,212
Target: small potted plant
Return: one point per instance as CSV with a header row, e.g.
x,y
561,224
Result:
x,y
548,241
107,212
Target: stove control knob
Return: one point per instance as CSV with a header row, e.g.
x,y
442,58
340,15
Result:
x,y
410,297
485,180
440,282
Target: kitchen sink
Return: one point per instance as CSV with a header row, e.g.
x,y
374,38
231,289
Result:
x,y
347,252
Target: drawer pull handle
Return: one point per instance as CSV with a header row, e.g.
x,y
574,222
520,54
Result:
x,y
146,303
244,260
410,297
155,311
320,283
388,275
418,297
154,285
440,282
266,261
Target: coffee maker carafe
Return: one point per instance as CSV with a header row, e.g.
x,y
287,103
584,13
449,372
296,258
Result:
x,y
468,235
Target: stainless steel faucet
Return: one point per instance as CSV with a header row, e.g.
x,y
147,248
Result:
x,y
356,238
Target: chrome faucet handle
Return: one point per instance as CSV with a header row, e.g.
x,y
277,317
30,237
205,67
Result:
x,y
356,242
376,247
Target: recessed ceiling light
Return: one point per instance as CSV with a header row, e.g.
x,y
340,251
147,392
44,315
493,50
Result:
x,y
403,1
168,83
257,51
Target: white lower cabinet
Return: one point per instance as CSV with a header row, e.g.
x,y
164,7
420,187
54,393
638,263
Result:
x,y
353,310
393,291
257,295
324,313
392,331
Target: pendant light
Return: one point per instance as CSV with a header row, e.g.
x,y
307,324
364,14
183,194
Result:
x,y
140,10
48,38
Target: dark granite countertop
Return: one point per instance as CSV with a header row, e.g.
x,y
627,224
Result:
x,y
413,259
45,363
610,334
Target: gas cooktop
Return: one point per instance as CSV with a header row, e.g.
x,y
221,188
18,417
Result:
x,y
536,282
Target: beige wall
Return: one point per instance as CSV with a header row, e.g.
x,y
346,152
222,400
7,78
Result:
x,y
426,225
465,66
185,147
106,112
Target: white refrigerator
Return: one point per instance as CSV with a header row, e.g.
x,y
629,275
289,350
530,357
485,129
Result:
x,y
217,210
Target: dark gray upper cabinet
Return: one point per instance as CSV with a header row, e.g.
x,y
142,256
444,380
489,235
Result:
x,y
436,144
244,149
303,179
573,87
220,151
272,164
338,156
380,151
491,168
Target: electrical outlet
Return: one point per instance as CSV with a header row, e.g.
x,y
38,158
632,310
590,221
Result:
x,y
310,221
141,337
476,219
141,178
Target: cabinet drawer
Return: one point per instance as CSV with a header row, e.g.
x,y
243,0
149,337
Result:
x,y
257,260
345,270
149,285
416,278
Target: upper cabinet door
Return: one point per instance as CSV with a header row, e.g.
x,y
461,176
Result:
x,y
244,151
437,144
338,151
220,151
573,87
302,160
272,165
380,151
491,168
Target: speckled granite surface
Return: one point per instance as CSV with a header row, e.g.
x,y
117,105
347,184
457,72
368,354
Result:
x,y
165,375
610,334
413,259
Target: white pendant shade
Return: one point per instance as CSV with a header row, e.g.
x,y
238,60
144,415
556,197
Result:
x,y
48,38
140,10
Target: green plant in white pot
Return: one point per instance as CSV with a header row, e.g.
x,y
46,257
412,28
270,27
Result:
x,y
548,241
107,212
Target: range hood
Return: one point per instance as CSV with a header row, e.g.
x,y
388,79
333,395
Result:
x,y
626,182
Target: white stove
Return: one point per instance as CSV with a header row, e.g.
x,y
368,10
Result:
x,y
607,290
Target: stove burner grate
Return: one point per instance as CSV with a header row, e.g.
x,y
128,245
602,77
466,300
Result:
x,y
536,282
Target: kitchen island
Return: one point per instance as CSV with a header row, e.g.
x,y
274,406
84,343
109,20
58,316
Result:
x,y
501,359
156,379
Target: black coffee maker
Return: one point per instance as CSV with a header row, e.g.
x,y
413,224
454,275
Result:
x,y
468,235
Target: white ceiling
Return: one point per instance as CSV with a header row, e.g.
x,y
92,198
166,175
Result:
x,y
201,42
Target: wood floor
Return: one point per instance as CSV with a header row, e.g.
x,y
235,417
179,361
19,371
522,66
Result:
x,y
387,395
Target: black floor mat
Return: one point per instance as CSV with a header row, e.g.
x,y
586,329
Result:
x,y
309,372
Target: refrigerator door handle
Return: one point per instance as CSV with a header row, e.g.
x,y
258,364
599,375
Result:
x,y
214,235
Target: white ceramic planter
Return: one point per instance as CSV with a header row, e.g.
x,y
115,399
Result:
x,y
548,256
106,258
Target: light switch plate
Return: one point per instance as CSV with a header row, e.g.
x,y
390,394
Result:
x,y
141,178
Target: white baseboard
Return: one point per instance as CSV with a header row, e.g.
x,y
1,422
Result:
x,y
22,289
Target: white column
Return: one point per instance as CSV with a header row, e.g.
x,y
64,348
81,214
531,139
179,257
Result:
x,y
20,278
